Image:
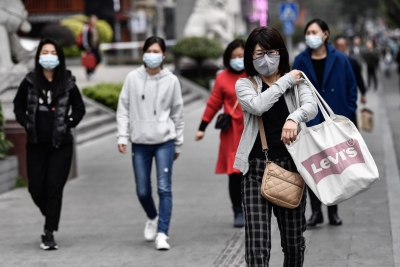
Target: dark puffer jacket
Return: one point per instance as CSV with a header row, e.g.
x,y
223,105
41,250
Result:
x,y
26,104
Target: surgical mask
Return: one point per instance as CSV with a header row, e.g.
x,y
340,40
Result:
x,y
152,60
237,64
49,62
267,65
314,41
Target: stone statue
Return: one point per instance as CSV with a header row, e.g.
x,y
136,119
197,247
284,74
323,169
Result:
x,y
13,17
210,19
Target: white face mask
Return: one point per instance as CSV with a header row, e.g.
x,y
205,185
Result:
x,y
314,41
153,60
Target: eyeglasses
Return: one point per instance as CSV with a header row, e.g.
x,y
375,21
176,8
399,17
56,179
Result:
x,y
273,52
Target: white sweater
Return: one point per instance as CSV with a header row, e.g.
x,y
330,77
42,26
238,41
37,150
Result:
x,y
150,109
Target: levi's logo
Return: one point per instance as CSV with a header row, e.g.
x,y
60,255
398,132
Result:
x,y
334,160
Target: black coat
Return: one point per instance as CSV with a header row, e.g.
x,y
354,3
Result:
x,y
26,104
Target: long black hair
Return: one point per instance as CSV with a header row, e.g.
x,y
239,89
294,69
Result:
x,y
228,53
60,72
267,38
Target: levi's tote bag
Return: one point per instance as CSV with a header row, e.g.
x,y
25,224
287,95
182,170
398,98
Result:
x,y
332,156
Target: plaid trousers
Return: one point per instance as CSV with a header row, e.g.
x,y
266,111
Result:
x,y
258,211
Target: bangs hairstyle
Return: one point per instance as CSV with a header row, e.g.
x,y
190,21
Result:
x,y
322,24
60,72
228,53
268,38
152,40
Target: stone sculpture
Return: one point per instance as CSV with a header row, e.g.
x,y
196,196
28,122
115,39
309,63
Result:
x,y
210,19
13,17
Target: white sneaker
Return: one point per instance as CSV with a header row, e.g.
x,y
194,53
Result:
x,y
150,230
161,242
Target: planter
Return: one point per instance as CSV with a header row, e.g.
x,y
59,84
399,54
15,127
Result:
x,y
8,173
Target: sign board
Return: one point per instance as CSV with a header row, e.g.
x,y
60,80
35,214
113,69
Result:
x,y
288,11
288,27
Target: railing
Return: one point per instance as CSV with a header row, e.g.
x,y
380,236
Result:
x,y
54,6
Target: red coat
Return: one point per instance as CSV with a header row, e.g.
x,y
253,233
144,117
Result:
x,y
224,94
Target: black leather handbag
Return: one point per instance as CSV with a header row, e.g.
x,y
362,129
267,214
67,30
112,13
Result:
x,y
224,120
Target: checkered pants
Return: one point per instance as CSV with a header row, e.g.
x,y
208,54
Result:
x,y
291,222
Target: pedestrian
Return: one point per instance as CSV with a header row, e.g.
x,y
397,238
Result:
x,y
224,95
371,58
150,116
330,72
266,60
356,49
91,43
341,45
48,104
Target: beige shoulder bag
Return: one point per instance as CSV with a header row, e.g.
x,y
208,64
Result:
x,y
279,186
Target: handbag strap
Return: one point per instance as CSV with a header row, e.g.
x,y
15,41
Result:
x,y
234,107
261,124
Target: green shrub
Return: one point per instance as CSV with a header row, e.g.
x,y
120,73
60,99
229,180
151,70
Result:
x,y
75,24
71,51
104,93
20,182
5,145
198,48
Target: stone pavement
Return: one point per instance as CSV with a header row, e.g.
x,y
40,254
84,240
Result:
x,y
102,221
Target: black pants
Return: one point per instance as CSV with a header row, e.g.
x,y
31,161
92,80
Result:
x,y
371,71
48,169
96,53
235,189
316,204
258,212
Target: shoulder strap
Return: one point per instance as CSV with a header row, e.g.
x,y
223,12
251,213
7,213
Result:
x,y
260,122
234,107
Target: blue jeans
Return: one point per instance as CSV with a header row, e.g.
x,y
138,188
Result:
x,y
142,158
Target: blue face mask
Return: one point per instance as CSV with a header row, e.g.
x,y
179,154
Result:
x,y
237,64
49,62
152,60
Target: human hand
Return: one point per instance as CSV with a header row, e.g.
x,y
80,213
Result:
x,y
363,100
297,75
122,148
176,156
289,132
199,135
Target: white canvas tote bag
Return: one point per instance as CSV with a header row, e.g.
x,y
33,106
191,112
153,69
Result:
x,y
332,157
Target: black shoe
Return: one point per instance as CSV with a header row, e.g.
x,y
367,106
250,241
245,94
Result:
x,y
315,219
334,219
48,242
239,217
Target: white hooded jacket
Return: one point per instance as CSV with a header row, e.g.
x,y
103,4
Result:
x,y
150,109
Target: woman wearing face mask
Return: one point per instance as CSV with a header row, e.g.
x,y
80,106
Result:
x,y
223,94
150,116
330,72
266,60
48,104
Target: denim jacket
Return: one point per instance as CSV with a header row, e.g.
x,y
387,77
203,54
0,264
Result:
x,y
256,103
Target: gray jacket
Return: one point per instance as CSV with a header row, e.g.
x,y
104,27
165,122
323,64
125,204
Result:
x,y
256,103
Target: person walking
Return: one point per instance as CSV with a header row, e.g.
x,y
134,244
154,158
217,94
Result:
x,y
331,73
224,95
48,104
371,58
341,45
91,43
150,116
266,60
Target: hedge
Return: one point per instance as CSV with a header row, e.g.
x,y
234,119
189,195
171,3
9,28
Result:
x,y
104,93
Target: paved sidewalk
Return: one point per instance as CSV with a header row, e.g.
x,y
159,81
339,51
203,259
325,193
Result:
x,y
102,221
